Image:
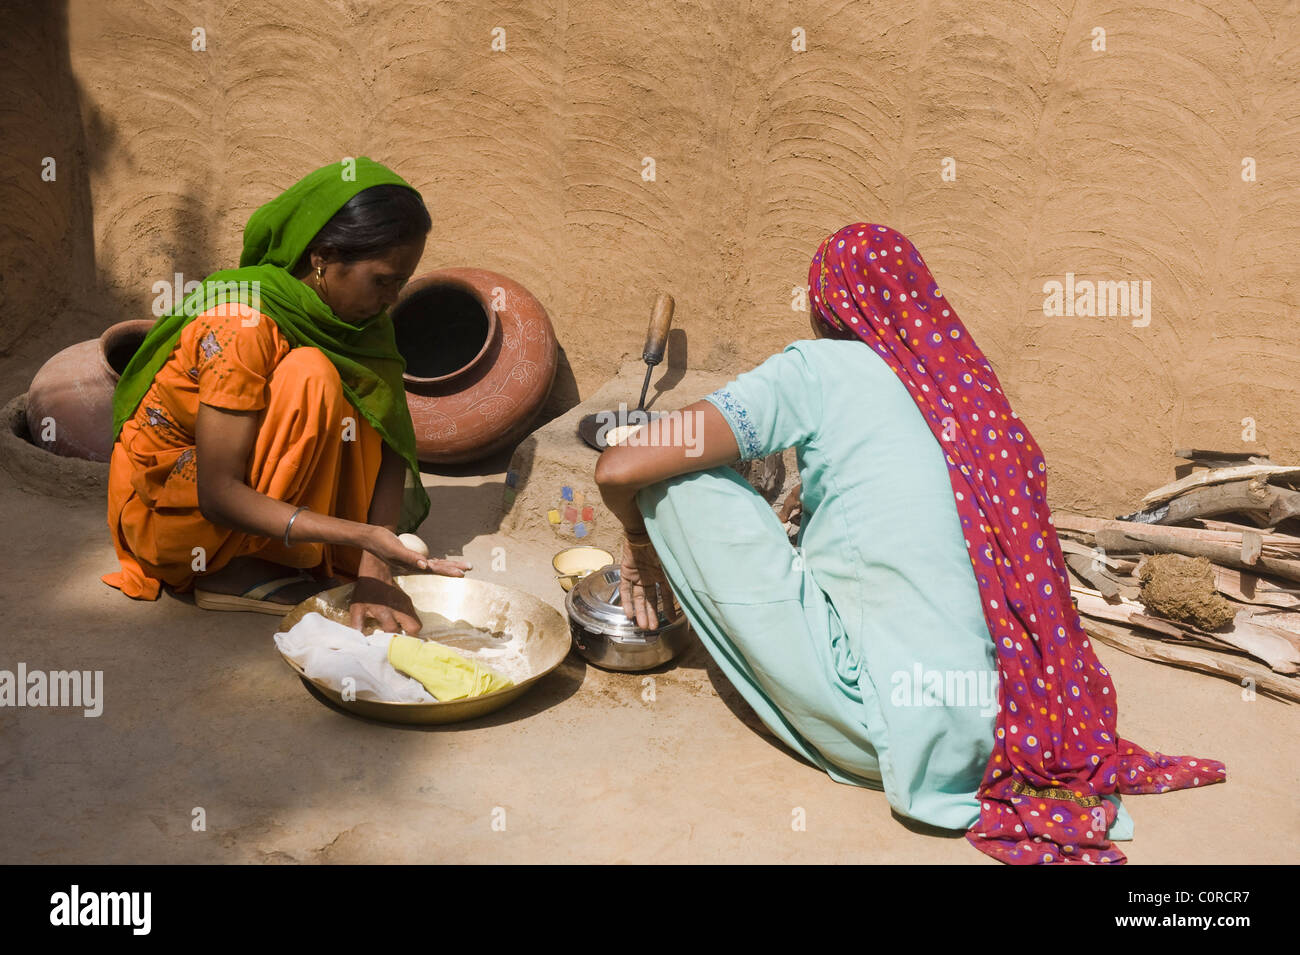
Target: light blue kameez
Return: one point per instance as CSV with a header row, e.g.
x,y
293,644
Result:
x,y
865,648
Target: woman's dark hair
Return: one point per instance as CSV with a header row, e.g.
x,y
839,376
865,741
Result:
x,y
372,222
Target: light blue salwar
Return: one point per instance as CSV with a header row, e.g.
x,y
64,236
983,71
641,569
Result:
x,y
865,648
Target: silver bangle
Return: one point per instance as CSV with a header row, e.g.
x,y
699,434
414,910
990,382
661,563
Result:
x,y
290,524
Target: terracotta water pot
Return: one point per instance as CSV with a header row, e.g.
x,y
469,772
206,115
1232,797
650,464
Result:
x,y
70,401
481,358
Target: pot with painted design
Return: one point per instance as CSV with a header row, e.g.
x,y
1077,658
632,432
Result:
x,y
481,358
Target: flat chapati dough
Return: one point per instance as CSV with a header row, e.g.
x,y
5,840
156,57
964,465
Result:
x,y
618,435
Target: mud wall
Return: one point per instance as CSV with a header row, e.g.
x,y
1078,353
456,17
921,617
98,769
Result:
x,y
999,136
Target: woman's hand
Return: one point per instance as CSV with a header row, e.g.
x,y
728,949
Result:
x,y
392,553
375,595
386,603
639,572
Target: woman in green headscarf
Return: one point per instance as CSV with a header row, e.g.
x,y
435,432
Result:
x,y
263,425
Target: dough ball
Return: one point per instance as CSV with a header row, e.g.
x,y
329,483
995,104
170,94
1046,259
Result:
x,y
414,543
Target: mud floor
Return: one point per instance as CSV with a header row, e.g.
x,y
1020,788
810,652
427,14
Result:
x,y
201,714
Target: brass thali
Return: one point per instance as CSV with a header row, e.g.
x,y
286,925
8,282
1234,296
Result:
x,y
486,606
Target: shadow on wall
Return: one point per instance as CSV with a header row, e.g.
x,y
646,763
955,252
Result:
x,y
51,292
54,291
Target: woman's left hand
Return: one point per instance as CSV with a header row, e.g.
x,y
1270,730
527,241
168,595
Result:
x,y
639,571
386,603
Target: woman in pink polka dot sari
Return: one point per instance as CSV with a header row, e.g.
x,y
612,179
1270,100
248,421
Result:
x,y
1057,751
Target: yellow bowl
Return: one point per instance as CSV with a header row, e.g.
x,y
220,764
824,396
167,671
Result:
x,y
574,563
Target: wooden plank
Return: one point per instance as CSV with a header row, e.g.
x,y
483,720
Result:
x,y
1253,589
1198,454
1252,545
1278,648
1212,525
1218,531
1278,624
1079,523
1168,492
1256,499
1220,547
1119,566
1195,658
1082,564
1132,613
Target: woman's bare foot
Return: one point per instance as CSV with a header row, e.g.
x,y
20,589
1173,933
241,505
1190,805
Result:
x,y
244,573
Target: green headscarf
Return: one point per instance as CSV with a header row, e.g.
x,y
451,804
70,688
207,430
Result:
x,y
366,356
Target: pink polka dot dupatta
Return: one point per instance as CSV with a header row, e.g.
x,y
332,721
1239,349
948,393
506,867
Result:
x,y
1056,751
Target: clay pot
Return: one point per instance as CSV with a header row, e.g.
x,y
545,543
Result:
x,y
73,392
481,358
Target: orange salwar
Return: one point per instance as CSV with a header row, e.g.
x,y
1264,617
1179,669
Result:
x,y
312,447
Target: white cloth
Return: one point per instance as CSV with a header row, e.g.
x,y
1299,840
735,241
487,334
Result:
x,y
331,652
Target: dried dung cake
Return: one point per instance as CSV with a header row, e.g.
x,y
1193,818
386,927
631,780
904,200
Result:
x,y
1182,588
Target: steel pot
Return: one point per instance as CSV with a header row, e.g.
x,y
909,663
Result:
x,y
603,635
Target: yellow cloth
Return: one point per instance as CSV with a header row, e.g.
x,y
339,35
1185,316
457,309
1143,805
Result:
x,y
444,672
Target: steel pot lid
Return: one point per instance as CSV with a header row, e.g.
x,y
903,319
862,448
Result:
x,y
595,603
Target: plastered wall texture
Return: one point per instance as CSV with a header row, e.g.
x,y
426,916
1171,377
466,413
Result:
x,y
1122,164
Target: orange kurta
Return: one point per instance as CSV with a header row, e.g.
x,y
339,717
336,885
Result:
x,y
313,447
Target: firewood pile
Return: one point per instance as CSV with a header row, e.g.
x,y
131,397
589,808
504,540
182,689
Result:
x,y
1205,575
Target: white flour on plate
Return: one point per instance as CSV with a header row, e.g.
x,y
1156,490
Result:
x,y
500,652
